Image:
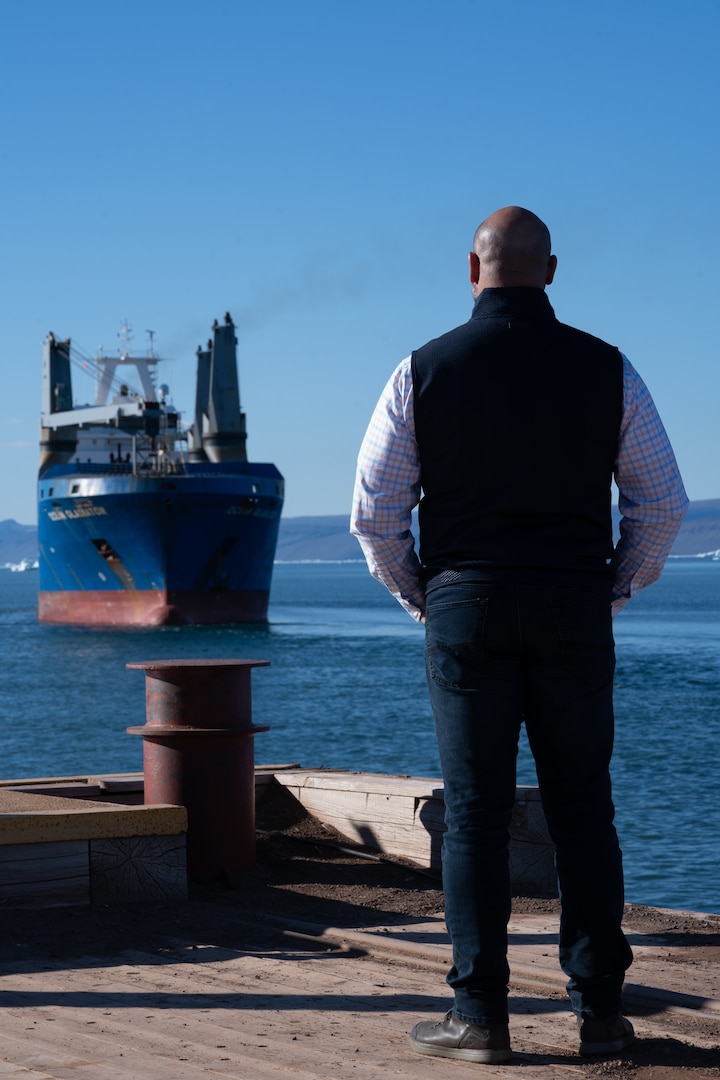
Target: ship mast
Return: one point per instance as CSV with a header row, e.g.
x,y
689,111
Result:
x,y
144,365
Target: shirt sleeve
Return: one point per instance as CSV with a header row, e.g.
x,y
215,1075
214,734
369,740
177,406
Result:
x,y
652,499
387,489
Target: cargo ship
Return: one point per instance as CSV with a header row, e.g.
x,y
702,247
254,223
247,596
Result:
x,y
143,521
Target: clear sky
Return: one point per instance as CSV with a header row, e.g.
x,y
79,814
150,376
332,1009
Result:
x,y
317,168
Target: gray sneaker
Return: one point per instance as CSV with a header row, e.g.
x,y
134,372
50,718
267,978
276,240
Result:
x,y
605,1035
452,1038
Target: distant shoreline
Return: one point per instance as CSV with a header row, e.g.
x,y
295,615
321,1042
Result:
x,y
326,538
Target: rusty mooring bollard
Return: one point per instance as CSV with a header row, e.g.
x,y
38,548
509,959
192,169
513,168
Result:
x,y
198,753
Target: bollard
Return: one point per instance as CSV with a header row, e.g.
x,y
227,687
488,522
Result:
x,y
198,753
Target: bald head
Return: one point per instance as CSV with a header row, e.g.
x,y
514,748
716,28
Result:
x,y
511,247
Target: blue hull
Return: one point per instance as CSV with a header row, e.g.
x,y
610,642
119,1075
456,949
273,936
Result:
x,y
194,546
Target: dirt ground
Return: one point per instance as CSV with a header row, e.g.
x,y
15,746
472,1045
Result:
x,y
306,872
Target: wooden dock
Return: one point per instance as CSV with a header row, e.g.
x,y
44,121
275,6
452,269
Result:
x,y
282,978
266,998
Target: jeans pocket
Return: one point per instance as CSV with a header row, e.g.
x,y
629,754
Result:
x,y
454,641
586,640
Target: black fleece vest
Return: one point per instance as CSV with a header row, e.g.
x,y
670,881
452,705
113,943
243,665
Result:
x,y
517,419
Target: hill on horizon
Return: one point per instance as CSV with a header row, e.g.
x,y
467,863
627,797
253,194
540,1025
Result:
x,y
327,538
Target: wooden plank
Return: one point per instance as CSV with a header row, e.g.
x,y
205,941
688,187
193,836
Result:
x,y
61,781
106,871
119,788
143,869
42,875
282,1010
10,1071
62,1054
258,1017
404,817
379,783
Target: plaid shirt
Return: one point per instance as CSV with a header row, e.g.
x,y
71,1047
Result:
x,y
652,499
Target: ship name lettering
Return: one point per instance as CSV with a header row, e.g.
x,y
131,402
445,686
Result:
x,y
82,512
251,511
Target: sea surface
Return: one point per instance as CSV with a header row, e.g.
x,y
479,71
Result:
x,y
346,690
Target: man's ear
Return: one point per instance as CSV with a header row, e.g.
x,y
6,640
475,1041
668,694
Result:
x,y
474,264
551,268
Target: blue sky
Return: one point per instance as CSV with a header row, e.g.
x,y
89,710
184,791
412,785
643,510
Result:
x,y
318,169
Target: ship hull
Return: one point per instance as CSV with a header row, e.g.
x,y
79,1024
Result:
x,y
153,608
195,548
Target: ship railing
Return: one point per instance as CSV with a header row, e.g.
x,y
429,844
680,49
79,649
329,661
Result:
x,y
148,467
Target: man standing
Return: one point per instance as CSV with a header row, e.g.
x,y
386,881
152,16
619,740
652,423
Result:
x,y
512,426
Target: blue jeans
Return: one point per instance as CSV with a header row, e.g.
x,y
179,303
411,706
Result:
x,y
497,654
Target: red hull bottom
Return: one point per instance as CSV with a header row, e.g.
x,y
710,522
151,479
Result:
x,y
153,608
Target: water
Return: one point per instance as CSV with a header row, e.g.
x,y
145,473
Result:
x,y
346,690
